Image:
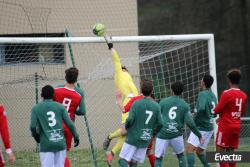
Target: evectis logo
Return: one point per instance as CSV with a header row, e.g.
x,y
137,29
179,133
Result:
x,y
227,157
239,156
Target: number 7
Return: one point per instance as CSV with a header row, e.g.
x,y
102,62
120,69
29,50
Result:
x,y
150,114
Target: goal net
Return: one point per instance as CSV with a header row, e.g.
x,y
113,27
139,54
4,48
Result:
x,y
28,64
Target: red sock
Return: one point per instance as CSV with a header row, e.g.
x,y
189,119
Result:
x,y
151,159
224,164
232,164
1,161
67,162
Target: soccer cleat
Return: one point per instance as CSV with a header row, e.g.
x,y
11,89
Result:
x,y
109,157
106,143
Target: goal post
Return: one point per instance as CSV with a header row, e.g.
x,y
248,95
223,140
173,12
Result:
x,y
163,59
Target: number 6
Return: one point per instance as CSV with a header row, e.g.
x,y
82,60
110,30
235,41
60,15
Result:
x,y
172,113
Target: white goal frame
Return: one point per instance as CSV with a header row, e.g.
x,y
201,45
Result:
x,y
208,37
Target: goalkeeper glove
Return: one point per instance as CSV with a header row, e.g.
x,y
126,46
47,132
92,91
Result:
x,y
108,40
110,45
76,142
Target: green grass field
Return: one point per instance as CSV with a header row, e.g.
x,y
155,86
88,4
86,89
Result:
x,y
82,158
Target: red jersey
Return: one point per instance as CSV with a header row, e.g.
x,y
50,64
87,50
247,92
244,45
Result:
x,y
4,130
231,106
70,98
131,101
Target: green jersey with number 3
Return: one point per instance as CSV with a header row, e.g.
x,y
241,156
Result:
x,y
144,118
205,105
46,125
175,112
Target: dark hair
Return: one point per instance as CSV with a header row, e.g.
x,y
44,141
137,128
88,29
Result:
x,y
47,92
146,87
124,68
71,75
152,95
177,88
208,80
234,76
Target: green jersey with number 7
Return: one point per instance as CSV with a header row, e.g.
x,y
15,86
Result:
x,y
143,120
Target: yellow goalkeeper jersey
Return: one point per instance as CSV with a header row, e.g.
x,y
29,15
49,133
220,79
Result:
x,y
123,82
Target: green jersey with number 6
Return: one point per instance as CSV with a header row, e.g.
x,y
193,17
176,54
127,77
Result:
x,y
175,112
144,118
205,105
46,125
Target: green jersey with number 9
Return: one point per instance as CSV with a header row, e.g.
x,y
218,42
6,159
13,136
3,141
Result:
x,y
144,118
175,112
46,125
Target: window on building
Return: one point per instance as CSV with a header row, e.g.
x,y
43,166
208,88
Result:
x,y
32,53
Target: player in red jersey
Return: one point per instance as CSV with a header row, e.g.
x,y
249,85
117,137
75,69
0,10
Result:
x,y
231,106
4,131
72,97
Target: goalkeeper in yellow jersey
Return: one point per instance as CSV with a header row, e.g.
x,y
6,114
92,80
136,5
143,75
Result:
x,y
125,89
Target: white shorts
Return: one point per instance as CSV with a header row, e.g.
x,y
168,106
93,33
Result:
x,y
162,145
53,159
194,140
130,152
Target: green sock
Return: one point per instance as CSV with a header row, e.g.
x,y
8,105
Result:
x,y
190,159
158,162
203,160
123,163
133,164
182,161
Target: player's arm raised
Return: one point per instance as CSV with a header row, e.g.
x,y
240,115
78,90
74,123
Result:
x,y
116,58
70,125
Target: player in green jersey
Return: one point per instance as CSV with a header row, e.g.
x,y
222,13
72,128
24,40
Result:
x,y
144,118
46,127
204,121
175,112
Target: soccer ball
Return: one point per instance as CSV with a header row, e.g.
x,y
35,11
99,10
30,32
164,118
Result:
x,y
99,29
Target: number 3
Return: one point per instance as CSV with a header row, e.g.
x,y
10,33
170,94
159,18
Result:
x,y
51,118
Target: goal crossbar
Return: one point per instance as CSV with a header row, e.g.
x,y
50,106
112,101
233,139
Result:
x,y
101,39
